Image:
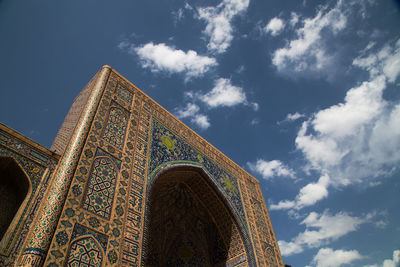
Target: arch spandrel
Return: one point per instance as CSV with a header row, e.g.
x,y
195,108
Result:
x,y
167,148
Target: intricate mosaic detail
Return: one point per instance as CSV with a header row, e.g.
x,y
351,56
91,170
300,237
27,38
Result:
x,y
84,252
99,195
115,130
167,147
24,149
124,94
87,249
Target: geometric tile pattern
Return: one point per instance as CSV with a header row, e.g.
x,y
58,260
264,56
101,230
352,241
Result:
x,y
114,133
100,190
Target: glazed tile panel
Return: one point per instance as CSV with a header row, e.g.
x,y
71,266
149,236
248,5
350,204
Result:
x,y
100,191
167,148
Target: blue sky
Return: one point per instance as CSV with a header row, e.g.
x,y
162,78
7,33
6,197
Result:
x,y
302,94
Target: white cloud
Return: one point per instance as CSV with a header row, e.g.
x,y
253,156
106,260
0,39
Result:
x,y
354,141
289,248
201,121
360,138
224,94
307,52
274,26
395,262
386,61
308,195
254,121
294,116
219,28
326,257
160,57
291,117
270,169
294,18
191,111
283,205
322,229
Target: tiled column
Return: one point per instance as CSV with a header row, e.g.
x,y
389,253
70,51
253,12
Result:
x,y
41,233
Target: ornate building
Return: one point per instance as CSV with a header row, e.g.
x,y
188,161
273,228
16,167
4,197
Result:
x,y
125,183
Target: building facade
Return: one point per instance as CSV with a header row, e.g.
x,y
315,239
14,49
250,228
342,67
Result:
x,y
125,183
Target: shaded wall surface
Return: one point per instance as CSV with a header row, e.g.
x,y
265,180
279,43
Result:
x,y
25,172
131,174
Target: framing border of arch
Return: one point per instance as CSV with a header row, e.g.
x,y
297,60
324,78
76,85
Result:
x,y
249,250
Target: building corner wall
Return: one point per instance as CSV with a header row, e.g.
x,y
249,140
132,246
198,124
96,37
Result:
x,y
42,230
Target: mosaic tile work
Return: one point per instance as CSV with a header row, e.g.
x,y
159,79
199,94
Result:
x,y
84,252
115,130
121,226
266,246
100,191
65,132
167,148
133,229
124,94
87,248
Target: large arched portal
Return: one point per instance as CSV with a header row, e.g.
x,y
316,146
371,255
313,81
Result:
x,y
188,222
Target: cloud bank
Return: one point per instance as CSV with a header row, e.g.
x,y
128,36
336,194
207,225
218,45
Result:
x,y
326,257
322,229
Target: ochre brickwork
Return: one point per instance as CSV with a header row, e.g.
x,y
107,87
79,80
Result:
x,y
116,146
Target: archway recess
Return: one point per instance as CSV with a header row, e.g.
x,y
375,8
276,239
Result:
x,y
14,187
189,222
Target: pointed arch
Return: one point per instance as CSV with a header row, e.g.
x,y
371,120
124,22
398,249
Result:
x,y
198,180
15,189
